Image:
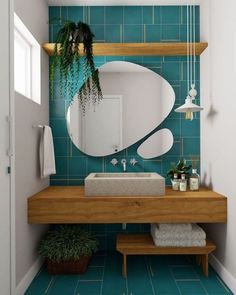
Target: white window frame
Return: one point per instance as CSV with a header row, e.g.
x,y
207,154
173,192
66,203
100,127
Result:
x,y
33,84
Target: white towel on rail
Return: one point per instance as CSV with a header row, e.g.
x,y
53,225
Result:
x,y
175,227
46,153
197,233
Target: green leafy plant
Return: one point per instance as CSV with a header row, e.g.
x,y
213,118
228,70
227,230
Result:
x,y
67,242
180,168
69,62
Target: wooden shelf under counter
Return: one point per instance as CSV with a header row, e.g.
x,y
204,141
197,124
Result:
x,y
68,204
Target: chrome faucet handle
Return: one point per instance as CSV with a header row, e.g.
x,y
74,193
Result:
x,y
123,162
133,161
114,162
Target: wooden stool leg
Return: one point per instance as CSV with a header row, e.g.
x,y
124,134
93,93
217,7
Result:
x,y
198,259
205,264
124,266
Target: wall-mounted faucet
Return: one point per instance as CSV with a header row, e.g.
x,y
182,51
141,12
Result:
x,y
114,162
123,162
133,162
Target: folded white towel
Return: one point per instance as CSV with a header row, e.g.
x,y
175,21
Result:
x,y
183,243
175,227
46,153
197,233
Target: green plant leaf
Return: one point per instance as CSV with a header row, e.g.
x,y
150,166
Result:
x,y
67,242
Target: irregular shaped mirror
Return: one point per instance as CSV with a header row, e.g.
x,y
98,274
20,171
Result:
x,y
135,101
156,145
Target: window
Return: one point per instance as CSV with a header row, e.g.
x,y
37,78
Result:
x,y
27,70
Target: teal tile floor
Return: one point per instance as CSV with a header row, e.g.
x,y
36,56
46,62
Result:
x,y
147,275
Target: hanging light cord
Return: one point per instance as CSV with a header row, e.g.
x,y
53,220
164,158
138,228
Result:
x,y
191,46
194,48
188,46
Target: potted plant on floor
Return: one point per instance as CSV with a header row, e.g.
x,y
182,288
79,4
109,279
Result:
x,y
67,249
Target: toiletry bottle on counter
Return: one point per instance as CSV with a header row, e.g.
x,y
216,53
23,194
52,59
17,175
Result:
x,y
175,182
194,181
183,183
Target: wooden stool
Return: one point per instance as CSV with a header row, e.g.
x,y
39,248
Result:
x,y
142,244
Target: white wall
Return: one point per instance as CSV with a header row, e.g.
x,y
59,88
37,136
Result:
x,y
218,125
34,14
5,181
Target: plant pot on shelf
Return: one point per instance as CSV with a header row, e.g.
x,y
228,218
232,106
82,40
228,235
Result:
x,y
68,267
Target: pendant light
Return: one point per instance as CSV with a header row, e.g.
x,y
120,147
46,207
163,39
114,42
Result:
x,y
189,107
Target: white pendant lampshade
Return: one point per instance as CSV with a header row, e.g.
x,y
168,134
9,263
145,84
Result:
x,y
189,108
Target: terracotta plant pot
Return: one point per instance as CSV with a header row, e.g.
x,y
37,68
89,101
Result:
x,y
68,267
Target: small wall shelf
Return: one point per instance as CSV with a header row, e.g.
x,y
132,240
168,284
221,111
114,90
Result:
x,y
129,49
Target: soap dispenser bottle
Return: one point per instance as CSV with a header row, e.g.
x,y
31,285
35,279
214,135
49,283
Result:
x,y
175,182
194,181
183,183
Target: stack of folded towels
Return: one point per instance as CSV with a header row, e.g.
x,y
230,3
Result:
x,y
178,235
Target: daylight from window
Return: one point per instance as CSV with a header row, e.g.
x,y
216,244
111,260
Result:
x,y
27,80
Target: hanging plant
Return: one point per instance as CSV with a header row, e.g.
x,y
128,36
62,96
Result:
x,y
69,62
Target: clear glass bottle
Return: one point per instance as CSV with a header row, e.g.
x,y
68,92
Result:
x,y
183,183
175,182
194,181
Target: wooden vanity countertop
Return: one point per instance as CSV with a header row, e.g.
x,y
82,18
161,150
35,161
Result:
x,y
68,204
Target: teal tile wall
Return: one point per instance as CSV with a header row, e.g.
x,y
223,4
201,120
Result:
x,y
126,24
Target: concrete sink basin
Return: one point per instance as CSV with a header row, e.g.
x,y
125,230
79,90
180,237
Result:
x,y
124,184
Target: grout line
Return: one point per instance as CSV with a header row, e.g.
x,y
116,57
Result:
x,y
153,17
50,284
187,280
103,164
173,277
144,33
103,275
201,282
76,287
121,35
89,15
204,288
84,280
143,25
149,275
222,283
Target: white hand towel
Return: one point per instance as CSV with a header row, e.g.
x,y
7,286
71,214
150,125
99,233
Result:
x,y
46,153
175,227
197,233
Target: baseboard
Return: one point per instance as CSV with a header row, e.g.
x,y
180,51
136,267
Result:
x,y
28,278
224,274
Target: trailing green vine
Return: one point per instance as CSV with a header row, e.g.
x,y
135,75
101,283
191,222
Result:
x,y
69,62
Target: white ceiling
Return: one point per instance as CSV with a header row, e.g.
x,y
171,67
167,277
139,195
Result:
x,y
120,2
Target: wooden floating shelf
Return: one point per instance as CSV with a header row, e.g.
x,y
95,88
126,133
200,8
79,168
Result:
x,y
135,49
68,204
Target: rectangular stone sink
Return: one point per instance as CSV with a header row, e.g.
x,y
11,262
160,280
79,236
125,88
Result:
x,y
124,184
